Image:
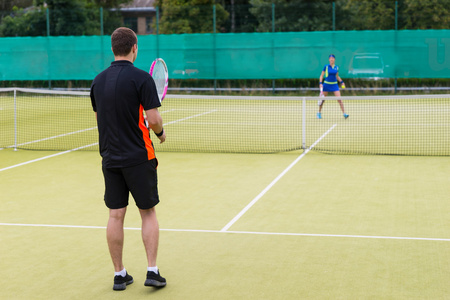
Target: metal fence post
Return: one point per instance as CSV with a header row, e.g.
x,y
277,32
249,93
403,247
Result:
x,y
101,20
396,28
334,16
214,50
273,44
157,31
47,16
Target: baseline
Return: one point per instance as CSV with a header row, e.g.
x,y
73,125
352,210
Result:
x,y
243,232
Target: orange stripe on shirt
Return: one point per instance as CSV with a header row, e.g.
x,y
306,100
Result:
x,y
146,135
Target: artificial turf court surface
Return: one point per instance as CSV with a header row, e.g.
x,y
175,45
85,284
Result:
x,y
332,227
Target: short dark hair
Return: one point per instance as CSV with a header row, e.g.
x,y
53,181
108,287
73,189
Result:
x,y
122,40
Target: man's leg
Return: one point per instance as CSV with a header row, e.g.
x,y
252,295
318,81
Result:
x,y
115,236
150,234
150,237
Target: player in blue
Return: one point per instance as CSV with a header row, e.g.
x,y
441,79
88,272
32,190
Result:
x,y
330,84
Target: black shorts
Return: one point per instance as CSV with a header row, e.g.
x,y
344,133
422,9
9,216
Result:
x,y
141,181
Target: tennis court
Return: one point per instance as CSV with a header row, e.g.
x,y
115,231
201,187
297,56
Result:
x,y
286,225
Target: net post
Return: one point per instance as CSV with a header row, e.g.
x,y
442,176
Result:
x,y
304,123
15,120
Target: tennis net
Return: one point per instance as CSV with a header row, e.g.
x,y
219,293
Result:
x,y
391,125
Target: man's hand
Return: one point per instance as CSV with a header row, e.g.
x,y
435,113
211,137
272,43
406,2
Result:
x,y
162,138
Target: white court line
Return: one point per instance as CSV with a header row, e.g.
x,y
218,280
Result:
x,y
166,111
48,156
79,148
243,232
190,117
55,136
239,215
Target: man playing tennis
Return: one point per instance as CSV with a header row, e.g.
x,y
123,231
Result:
x,y
119,95
330,72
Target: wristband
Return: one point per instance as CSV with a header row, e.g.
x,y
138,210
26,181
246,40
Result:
x,y
320,82
160,134
342,82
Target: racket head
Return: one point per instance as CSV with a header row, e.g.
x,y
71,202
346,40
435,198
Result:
x,y
160,74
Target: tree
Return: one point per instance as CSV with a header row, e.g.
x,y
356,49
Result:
x,y
189,16
370,15
8,5
240,18
24,23
425,14
67,17
292,15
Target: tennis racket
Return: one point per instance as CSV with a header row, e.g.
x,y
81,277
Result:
x,y
158,71
321,95
160,75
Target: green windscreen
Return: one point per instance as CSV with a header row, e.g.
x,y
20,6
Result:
x,y
359,54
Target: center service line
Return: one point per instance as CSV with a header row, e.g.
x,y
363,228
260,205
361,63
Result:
x,y
239,215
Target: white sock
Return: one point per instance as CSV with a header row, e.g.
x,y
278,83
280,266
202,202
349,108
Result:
x,y
122,273
153,269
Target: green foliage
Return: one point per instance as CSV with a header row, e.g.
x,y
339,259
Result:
x,y
240,18
426,14
194,16
67,17
293,15
30,23
82,17
370,15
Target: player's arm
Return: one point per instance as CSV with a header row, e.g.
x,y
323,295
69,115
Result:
x,y
340,80
155,123
321,82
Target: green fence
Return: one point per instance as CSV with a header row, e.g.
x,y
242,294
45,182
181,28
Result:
x,y
360,54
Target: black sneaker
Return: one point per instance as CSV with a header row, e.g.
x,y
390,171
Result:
x,y
154,279
120,282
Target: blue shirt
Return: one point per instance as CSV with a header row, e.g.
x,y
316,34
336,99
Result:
x,y
330,74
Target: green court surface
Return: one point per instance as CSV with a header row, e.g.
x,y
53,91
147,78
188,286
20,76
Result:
x,y
233,226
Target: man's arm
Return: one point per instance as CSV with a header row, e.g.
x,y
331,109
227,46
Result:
x,y
155,122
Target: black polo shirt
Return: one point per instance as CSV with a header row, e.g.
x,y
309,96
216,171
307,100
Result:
x,y
119,95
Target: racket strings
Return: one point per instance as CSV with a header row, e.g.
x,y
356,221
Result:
x,y
159,77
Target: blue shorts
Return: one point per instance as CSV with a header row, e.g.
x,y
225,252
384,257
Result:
x,y
330,87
